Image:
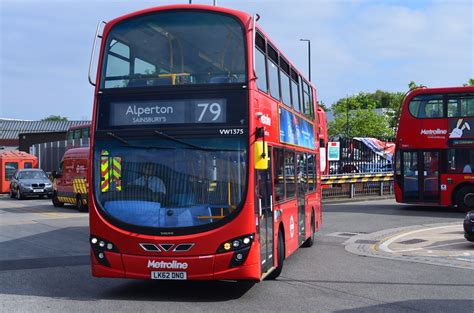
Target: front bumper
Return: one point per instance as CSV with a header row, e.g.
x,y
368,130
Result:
x,y
205,267
30,191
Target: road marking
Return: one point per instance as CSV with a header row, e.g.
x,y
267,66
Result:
x,y
431,247
384,246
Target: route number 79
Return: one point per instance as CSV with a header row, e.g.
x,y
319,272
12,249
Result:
x,y
213,109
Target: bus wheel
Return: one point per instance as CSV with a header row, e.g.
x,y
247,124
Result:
x,y
56,201
309,242
81,207
281,257
465,198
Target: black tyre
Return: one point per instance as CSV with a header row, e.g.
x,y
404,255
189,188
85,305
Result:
x,y
56,201
281,257
464,198
310,241
19,196
81,207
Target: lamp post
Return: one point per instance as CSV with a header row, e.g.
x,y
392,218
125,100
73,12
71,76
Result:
x,y
347,116
309,56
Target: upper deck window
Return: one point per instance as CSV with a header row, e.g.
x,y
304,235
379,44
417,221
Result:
x,y
174,48
461,106
427,106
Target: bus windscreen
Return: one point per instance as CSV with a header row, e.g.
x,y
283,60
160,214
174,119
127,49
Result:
x,y
174,48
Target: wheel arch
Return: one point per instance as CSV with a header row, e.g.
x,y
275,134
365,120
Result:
x,y
281,227
456,190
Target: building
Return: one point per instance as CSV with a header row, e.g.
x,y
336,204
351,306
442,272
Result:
x,y
32,132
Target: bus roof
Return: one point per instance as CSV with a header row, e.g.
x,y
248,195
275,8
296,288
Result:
x,y
244,17
426,90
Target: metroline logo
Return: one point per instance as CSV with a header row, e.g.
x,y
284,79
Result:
x,y
433,132
169,265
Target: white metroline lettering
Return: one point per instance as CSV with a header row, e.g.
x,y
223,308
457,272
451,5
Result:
x,y
169,265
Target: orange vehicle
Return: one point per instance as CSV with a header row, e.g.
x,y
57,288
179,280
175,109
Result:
x,y
70,182
10,161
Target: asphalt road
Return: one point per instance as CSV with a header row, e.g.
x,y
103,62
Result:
x,y
44,267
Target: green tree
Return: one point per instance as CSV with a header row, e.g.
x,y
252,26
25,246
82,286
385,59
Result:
x,y
470,82
323,106
55,118
412,85
363,121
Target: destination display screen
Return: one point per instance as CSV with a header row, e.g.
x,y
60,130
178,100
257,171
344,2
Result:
x,y
156,112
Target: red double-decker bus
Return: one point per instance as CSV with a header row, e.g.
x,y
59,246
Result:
x,y
434,159
204,149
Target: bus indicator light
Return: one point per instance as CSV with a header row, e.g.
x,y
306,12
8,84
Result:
x,y
227,246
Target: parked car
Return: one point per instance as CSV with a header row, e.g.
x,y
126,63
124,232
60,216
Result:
x,y
469,226
70,181
30,182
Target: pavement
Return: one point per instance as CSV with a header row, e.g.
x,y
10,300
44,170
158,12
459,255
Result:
x,y
44,267
438,244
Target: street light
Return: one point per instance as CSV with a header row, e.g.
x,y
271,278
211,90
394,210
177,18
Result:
x,y
309,56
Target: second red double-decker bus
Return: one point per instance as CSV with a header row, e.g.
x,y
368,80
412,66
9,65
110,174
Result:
x,y
204,149
435,148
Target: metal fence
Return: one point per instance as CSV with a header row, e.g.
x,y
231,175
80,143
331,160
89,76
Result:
x,y
356,186
50,153
356,157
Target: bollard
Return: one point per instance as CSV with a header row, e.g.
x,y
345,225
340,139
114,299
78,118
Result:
x,y
381,188
352,191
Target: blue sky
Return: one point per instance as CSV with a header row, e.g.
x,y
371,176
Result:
x,y
358,45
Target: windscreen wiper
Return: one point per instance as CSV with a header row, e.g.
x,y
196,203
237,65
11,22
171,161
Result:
x,y
129,145
190,145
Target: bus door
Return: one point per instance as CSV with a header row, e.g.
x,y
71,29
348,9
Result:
x,y
420,171
429,177
302,188
264,201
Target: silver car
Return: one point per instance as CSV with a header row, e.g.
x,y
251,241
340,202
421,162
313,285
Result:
x,y
30,182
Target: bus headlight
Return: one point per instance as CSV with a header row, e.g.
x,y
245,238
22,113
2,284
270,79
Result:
x,y
240,246
236,243
99,246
